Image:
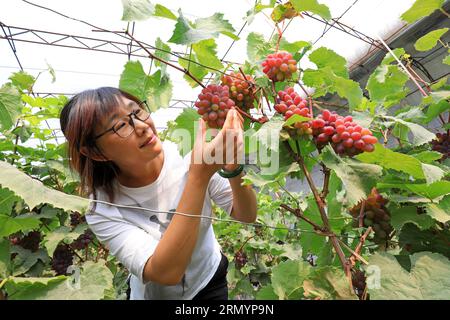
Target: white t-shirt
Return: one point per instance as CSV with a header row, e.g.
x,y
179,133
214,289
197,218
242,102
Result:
x,y
132,235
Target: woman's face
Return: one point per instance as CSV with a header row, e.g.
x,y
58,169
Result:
x,y
141,146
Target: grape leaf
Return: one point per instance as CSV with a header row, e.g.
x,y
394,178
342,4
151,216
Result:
x,y
184,131
324,57
446,60
26,259
203,28
206,53
358,178
33,192
5,258
10,225
420,134
436,109
389,159
420,9
63,233
163,12
429,41
401,215
429,277
312,6
386,85
328,283
10,106
94,281
22,80
135,10
439,211
163,53
431,191
413,240
155,89
257,48
287,279
7,199
266,293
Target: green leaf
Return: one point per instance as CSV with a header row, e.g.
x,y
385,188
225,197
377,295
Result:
x,y
389,159
261,179
431,191
287,279
324,57
135,10
436,109
268,134
63,233
420,9
266,293
33,192
10,225
10,106
257,47
22,80
420,134
429,41
429,278
326,81
206,53
401,215
413,240
163,53
427,156
386,85
94,281
446,60
439,211
163,12
25,259
357,178
204,28
5,258
328,283
184,131
312,6
155,89
7,200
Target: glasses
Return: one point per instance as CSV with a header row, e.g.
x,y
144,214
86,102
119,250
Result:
x,y
125,126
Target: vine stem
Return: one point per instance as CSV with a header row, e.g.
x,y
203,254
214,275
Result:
x,y
360,245
326,181
321,205
151,55
245,242
300,214
361,214
245,114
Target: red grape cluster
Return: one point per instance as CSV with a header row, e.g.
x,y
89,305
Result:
x,y
442,144
83,240
62,259
346,137
76,218
30,241
375,214
359,282
279,66
213,104
240,259
291,103
242,90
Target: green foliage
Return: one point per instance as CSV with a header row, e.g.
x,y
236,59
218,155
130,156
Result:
x,y
420,9
429,41
312,6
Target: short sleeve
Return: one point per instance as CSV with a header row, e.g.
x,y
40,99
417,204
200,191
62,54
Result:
x,y
220,192
131,245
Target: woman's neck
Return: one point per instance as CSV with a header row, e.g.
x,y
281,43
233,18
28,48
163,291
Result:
x,y
145,176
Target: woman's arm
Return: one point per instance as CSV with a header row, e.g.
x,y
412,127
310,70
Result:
x,y
244,200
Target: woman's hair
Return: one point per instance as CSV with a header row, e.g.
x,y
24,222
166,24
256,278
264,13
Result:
x,y
79,118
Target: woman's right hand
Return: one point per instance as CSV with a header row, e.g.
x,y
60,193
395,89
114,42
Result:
x,y
226,148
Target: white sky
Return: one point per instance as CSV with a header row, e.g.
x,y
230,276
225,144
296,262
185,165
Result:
x,y
77,70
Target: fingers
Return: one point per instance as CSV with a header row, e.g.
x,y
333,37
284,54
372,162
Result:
x,y
201,133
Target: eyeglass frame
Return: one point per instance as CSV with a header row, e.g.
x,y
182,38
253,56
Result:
x,y
132,121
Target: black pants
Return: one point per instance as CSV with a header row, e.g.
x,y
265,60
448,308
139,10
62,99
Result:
x,y
217,288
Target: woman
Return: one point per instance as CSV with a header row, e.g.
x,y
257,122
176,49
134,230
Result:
x,y
114,146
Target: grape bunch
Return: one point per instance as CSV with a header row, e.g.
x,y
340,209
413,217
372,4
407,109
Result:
x,y
290,103
76,218
279,66
240,259
62,259
442,144
376,216
346,137
30,241
213,104
242,89
83,240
